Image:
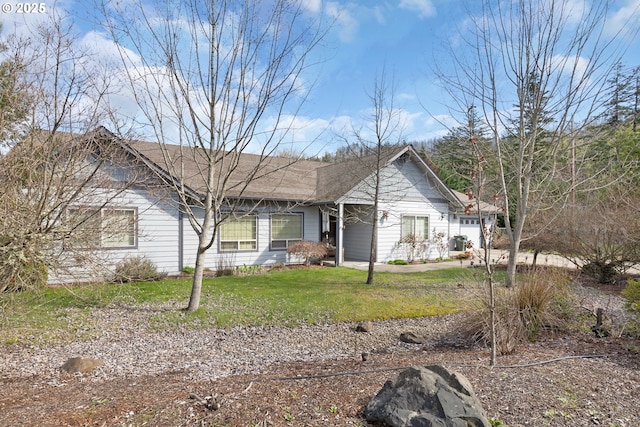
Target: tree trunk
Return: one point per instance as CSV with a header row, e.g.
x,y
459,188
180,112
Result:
x,y
203,245
374,248
196,287
515,240
512,264
492,318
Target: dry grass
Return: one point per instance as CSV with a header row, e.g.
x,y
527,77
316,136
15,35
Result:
x,y
539,303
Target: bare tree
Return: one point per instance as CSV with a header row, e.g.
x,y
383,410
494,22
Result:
x,y
386,126
217,80
607,242
535,73
481,187
369,149
56,161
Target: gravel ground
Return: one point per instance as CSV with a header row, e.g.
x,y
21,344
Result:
x,y
213,353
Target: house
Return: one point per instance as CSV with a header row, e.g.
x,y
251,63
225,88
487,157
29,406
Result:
x,y
287,201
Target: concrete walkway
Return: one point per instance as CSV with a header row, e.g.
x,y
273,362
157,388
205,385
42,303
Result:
x,y
496,255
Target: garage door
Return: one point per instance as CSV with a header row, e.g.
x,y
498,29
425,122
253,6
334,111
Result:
x,y
470,227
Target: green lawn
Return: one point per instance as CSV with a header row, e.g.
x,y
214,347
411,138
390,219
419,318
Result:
x,y
287,297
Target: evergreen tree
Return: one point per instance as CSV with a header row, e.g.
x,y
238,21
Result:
x,y
619,93
453,154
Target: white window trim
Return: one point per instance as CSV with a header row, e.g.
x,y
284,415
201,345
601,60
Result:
x,y
415,216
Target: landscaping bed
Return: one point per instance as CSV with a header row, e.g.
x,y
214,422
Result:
x,y
159,374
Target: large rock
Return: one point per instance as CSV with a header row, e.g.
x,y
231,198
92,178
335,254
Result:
x,y
427,396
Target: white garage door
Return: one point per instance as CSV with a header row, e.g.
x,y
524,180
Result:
x,y
470,227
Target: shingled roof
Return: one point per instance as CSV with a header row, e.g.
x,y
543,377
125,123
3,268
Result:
x,y
470,206
336,179
274,178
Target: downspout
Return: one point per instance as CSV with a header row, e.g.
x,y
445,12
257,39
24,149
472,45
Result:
x,y
340,234
180,240
449,219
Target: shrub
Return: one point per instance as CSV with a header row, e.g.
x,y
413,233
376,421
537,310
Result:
x,y
413,246
538,303
278,266
137,269
542,299
631,292
463,255
225,265
308,250
398,262
188,270
249,270
23,275
605,272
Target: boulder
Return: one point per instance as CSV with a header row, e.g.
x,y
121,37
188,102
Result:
x,y
427,396
82,365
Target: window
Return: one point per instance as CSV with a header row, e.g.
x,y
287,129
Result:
x,y
239,234
415,226
118,228
103,228
285,230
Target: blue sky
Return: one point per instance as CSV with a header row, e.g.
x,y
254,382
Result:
x,y
405,37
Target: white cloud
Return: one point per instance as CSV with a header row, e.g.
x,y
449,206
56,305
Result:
x,y
313,6
425,8
575,67
438,125
379,15
346,24
109,52
625,21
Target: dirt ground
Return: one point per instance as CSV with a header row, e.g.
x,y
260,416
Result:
x,y
600,389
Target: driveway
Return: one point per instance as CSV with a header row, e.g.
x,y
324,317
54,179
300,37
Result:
x,y
496,255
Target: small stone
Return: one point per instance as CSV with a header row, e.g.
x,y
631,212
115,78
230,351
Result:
x,y
364,326
411,338
82,365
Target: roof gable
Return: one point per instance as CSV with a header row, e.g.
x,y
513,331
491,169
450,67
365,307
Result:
x,y
335,181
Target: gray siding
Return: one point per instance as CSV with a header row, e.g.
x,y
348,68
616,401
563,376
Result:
x,y
157,240
406,191
263,255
